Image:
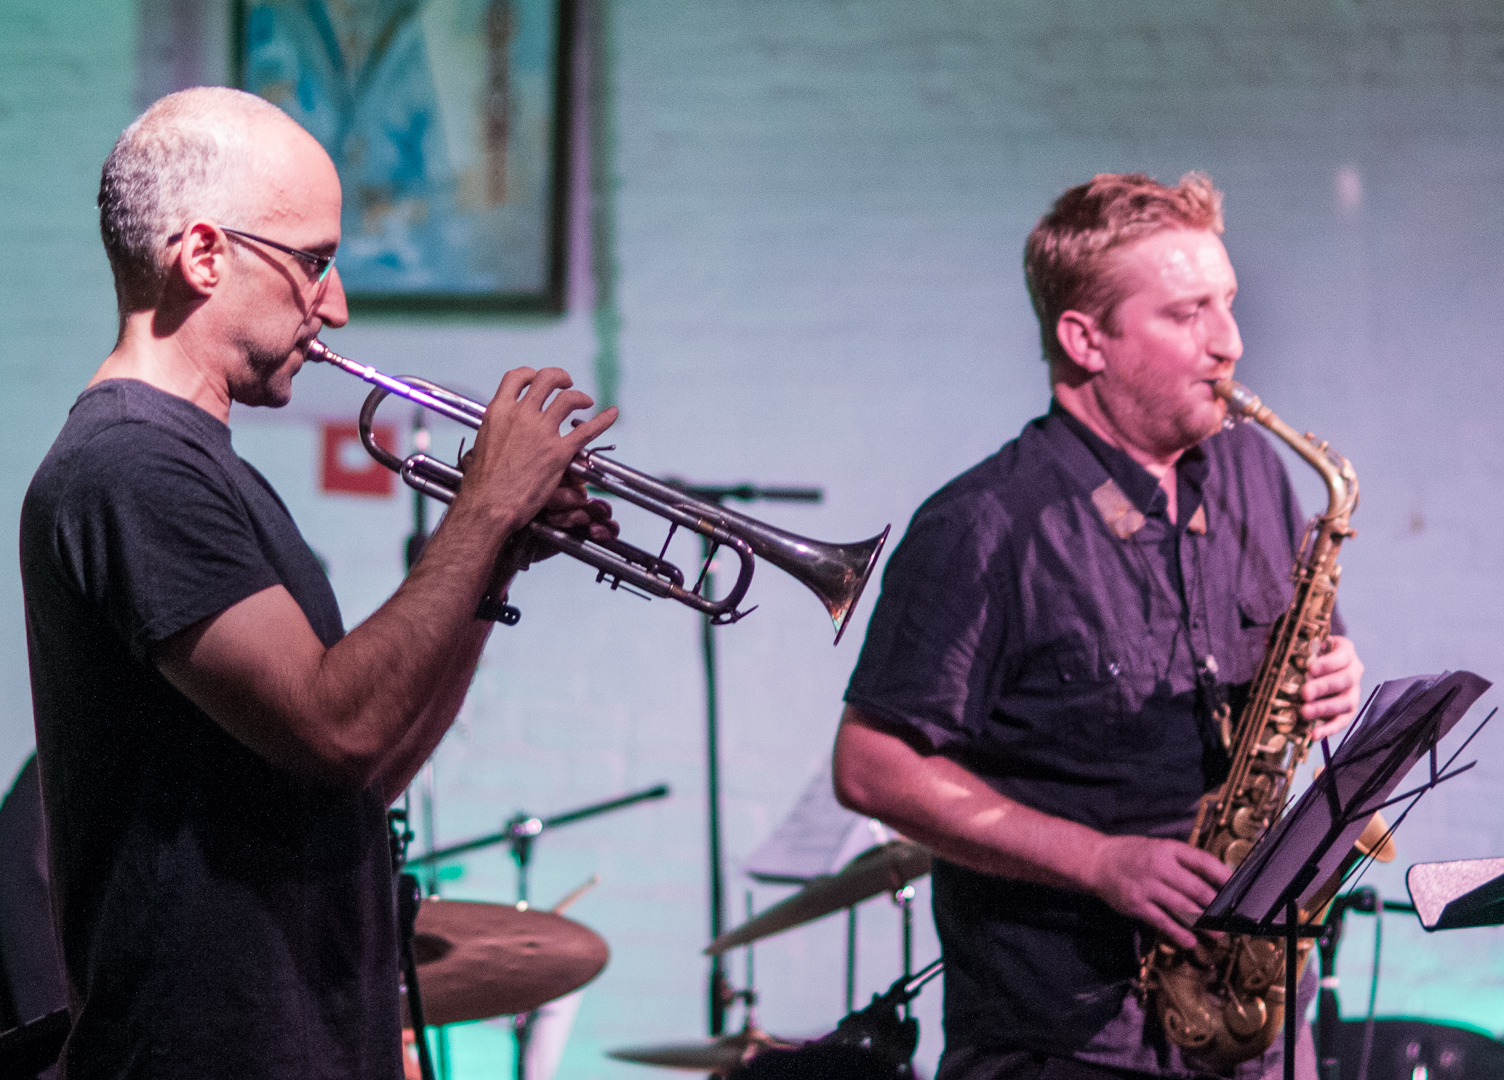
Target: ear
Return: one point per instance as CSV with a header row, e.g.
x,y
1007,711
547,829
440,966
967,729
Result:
x,y
1080,335
202,256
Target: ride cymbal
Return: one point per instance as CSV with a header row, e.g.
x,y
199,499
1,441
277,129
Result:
x,y
885,868
480,960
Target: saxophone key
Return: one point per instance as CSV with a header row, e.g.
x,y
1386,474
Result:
x,y
1247,824
1244,1017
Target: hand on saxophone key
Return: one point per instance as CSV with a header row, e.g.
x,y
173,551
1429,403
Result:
x,y
1165,883
1333,691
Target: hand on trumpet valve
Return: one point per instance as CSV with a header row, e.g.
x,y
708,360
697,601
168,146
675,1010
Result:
x,y
518,462
569,510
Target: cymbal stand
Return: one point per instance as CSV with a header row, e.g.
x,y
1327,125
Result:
x,y
409,897
904,898
520,831
851,958
720,992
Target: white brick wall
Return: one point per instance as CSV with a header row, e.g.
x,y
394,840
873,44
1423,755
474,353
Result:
x,y
820,223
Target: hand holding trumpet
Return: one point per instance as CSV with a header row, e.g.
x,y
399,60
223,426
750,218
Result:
x,y
517,469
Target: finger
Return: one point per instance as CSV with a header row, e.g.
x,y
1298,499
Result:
x,y
1189,892
1337,690
1337,654
566,402
571,521
1332,708
592,429
1328,686
1206,866
513,383
1330,728
567,497
1169,926
544,383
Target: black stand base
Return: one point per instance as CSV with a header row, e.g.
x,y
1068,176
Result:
x,y
409,896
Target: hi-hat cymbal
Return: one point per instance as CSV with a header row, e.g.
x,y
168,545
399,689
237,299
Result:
x,y
884,868
715,1055
480,960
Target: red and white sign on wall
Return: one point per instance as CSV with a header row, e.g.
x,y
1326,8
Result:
x,y
347,468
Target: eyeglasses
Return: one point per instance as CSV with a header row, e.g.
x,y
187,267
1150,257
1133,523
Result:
x,y
321,264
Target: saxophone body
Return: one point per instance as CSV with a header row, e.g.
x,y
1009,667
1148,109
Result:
x,y
1224,1001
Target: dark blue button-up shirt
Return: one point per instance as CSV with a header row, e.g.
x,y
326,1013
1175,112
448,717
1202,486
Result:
x,y
1046,625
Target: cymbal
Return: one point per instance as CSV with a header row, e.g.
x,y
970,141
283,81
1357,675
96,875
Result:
x,y
479,960
715,1055
884,868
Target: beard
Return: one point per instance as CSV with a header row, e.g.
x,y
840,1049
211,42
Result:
x,y
267,376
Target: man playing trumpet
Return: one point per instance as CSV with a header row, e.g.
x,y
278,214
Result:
x,y
217,754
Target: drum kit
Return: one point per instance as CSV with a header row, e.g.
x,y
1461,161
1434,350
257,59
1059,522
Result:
x,y
474,961
870,1043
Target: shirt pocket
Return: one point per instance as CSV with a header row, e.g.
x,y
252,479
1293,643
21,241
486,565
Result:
x,y
1071,697
1260,605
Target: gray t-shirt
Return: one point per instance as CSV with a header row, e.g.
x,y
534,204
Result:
x,y
218,917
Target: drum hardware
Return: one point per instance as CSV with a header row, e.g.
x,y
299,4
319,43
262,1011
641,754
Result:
x,y
873,1044
887,868
903,899
1404,1049
717,1056
723,1053
835,573
520,832
1331,1044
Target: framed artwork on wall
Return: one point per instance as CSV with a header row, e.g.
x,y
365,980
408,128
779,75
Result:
x,y
447,121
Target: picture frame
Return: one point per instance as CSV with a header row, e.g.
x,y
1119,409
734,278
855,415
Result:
x,y
448,121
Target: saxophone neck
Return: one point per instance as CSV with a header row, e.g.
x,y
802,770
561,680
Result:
x,y
1335,470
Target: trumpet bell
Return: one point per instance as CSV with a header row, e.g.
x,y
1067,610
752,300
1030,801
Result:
x,y
835,573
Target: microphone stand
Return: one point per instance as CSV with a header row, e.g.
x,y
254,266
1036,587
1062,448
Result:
x,y
720,992
1328,1009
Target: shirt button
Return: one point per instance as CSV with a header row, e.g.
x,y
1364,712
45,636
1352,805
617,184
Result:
x,y
1114,669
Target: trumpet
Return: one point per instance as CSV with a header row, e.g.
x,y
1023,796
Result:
x,y
835,573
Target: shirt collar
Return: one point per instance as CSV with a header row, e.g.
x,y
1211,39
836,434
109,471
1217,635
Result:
x,y
1135,481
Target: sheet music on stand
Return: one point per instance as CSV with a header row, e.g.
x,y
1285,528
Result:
x,y
1402,723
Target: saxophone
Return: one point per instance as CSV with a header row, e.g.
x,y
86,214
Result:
x,y
1224,1001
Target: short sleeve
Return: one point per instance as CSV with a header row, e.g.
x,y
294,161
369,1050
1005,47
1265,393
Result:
x,y
926,668
154,535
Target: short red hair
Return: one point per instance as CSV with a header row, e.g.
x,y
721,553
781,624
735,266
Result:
x,y
1068,256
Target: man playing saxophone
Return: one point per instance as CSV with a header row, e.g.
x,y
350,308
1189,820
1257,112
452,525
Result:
x,y
217,754
1038,696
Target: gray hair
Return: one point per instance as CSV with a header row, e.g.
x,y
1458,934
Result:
x,y
178,160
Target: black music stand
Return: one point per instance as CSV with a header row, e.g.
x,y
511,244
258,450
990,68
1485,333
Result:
x,y
1292,866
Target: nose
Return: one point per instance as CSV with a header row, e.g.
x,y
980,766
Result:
x,y
331,307
1224,342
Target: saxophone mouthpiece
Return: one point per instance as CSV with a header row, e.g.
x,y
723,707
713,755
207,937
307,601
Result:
x,y
1239,398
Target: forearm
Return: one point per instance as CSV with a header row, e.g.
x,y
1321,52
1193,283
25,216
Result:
x,y
937,803
429,728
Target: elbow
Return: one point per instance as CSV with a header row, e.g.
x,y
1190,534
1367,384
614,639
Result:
x,y
350,766
331,759
851,775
